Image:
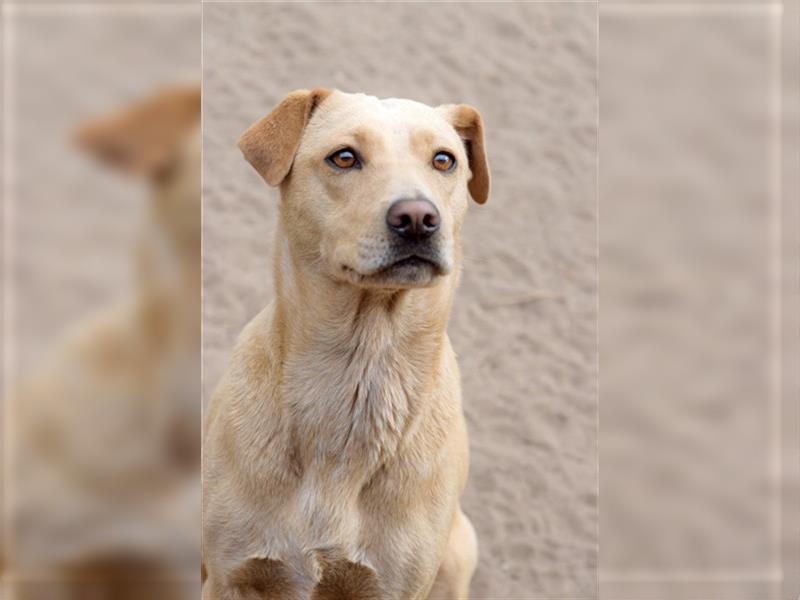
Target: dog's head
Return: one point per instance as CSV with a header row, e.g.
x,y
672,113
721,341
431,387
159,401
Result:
x,y
373,191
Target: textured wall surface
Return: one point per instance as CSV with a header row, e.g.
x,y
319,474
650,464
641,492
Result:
x,y
524,318
698,296
70,227
74,222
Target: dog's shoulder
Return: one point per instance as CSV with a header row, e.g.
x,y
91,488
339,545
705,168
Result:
x,y
252,352
251,360
249,375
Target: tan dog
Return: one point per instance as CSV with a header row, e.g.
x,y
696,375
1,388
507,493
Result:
x,y
106,460
336,449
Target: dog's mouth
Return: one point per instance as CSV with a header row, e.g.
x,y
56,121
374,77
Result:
x,y
414,270
413,262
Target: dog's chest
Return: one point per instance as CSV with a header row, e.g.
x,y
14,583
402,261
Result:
x,y
381,545
349,403
353,400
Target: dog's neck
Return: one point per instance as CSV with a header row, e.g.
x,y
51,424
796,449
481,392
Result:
x,y
342,350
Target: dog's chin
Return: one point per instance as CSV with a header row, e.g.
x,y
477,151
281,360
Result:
x,y
410,272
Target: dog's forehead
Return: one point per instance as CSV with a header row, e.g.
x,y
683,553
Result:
x,y
347,111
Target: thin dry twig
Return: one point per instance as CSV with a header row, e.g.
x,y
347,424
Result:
x,y
534,296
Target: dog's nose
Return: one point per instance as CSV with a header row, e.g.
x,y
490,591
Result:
x,y
413,218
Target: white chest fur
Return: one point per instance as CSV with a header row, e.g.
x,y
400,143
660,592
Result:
x,y
346,397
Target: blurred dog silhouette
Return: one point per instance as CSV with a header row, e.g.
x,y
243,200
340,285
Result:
x,y
104,490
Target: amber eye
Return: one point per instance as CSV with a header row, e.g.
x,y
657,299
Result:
x,y
346,158
443,161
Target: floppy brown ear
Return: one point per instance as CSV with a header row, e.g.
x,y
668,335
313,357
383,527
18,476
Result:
x,y
144,137
271,143
468,123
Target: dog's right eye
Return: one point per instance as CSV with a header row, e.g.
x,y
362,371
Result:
x,y
346,158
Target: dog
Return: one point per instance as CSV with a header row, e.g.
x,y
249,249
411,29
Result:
x,y
107,460
335,446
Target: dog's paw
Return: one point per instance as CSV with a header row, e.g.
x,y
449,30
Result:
x,y
343,576
260,578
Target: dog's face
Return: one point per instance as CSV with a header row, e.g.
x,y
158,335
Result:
x,y
374,191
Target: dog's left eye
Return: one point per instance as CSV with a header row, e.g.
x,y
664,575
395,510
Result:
x,y
443,161
346,158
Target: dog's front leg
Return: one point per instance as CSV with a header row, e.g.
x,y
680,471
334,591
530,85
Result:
x,y
458,565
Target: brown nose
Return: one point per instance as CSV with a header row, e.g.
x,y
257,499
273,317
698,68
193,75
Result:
x,y
413,218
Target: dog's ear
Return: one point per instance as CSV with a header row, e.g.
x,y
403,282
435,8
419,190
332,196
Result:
x,y
143,138
271,143
468,123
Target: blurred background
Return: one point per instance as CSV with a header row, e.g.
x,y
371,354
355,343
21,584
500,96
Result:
x,y
101,241
696,251
698,311
524,320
